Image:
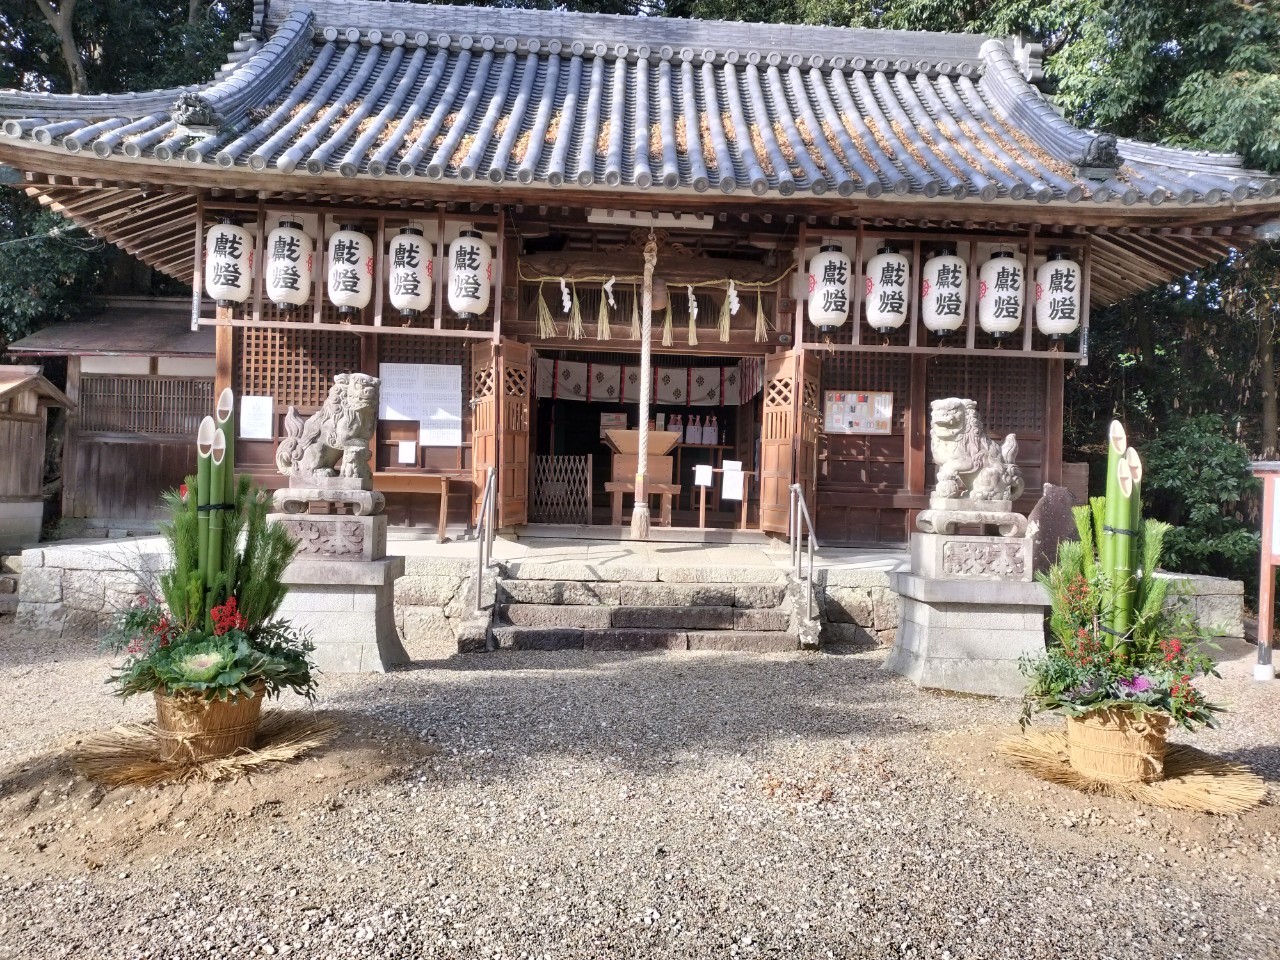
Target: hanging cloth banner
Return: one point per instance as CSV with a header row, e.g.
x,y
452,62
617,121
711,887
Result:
x,y
671,385
704,386
630,384
605,383
546,378
730,384
571,380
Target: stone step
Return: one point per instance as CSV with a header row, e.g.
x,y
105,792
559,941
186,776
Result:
x,y
570,638
554,615
642,594
11,563
608,572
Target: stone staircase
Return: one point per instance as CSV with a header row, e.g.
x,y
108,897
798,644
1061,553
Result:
x,y
573,606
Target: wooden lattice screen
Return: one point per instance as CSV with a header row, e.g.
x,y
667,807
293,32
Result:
x,y
561,490
878,372
151,405
296,367
1010,392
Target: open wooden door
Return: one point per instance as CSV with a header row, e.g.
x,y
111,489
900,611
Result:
x,y
516,363
808,427
789,431
484,418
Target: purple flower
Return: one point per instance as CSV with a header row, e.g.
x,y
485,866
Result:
x,y
1138,684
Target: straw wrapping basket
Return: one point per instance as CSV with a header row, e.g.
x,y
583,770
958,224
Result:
x,y
193,729
1118,746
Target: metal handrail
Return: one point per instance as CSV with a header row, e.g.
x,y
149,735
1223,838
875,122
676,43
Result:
x,y
801,523
484,533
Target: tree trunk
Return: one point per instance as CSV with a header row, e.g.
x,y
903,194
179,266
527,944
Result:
x,y
1267,381
59,19
193,10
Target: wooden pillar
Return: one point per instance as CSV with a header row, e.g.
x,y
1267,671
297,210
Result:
x,y
915,424
224,352
1051,464
71,431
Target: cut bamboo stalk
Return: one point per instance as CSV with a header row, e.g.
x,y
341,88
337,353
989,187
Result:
x,y
204,451
1122,612
1117,443
213,560
226,424
1135,513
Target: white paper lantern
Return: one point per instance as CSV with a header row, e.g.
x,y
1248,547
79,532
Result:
x,y
350,269
888,280
411,271
288,267
944,289
470,275
228,263
830,287
1000,289
1058,295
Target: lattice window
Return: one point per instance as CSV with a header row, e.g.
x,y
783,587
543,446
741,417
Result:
x,y
1010,392
296,367
878,372
561,490
154,405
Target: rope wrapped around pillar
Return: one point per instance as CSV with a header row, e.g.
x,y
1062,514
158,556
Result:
x,y
640,513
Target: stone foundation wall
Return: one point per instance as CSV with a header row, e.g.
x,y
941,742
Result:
x,y
73,589
433,603
857,606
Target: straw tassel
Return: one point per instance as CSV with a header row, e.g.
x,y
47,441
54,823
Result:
x,y
666,326
546,324
762,332
725,310
575,316
602,318
635,314
693,318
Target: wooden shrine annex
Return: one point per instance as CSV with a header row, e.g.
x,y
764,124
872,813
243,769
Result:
x,y
849,225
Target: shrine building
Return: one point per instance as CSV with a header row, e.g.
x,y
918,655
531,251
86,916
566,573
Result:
x,y
849,225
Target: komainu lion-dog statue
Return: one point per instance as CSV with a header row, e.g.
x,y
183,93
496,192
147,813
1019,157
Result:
x,y
971,466
333,441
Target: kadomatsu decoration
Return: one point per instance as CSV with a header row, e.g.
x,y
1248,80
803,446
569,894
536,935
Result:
x,y
206,641
1123,666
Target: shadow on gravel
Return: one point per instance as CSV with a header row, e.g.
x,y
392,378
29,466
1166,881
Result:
x,y
1264,761
645,711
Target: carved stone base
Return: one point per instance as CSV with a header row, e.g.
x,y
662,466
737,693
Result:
x,y
363,503
347,609
966,636
965,505
1008,523
949,556
336,536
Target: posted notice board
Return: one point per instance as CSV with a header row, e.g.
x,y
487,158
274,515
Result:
x,y
858,412
430,393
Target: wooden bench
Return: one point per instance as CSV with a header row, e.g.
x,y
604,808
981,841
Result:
x,y
393,481
616,488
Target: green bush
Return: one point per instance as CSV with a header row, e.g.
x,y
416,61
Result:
x,y
1197,478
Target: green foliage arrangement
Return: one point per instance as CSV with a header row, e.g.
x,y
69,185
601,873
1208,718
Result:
x,y
1151,668
173,643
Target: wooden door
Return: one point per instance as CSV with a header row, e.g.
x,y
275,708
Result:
x,y
516,366
808,411
777,441
791,425
484,418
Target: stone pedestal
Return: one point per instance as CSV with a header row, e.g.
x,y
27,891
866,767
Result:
x,y
950,556
967,635
346,607
336,536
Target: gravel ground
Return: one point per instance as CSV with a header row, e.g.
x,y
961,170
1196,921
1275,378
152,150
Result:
x,y
592,805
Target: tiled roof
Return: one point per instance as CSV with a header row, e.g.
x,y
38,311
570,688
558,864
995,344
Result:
x,y
458,94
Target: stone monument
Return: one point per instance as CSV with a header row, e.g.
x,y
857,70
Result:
x,y
970,606
341,583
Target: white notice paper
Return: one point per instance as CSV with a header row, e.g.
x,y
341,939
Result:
x,y
429,393
407,453
731,487
257,416
702,475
